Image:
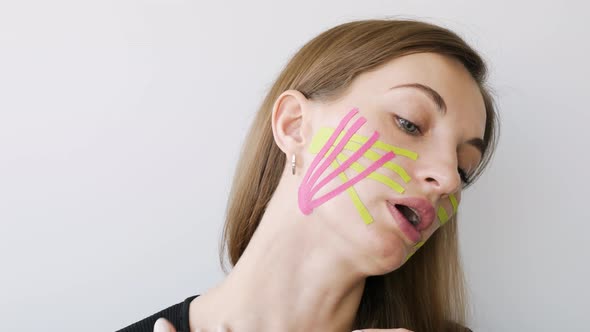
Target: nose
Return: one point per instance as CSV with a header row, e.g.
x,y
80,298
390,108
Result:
x,y
438,176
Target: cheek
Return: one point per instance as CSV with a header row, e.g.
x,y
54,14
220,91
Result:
x,y
362,205
447,208
435,227
449,204
330,143
382,170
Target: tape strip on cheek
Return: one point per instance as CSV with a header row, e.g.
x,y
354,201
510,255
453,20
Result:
x,y
442,215
454,202
322,168
324,133
397,169
351,182
386,147
416,247
327,145
308,188
375,176
355,156
373,156
358,204
304,198
357,138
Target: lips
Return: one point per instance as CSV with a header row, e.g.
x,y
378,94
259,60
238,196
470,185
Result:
x,y
420,206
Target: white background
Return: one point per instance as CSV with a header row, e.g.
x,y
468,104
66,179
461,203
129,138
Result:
x,y
121,123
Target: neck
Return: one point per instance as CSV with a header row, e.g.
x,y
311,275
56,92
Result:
x,y
290,278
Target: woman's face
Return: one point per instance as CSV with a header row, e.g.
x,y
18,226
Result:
x,y
428,111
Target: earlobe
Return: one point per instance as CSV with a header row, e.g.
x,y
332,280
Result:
x,y
288,121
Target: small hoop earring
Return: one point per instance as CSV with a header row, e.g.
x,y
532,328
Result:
x,y
293,164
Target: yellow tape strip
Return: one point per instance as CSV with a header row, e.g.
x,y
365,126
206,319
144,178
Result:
x,y
324,134
321,138
374,156
419,244
365,215
318,141
454,202
374,175
386,147
442,215
408,257
416,247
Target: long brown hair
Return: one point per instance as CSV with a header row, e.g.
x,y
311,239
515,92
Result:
x,y
427,293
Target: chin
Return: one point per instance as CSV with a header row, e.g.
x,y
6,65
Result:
x,y
388,251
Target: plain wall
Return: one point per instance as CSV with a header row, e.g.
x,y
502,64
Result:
x,y
121,124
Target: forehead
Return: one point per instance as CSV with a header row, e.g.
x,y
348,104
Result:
x,y
444,74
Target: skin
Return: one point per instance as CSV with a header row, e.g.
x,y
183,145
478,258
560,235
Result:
x,y
307,272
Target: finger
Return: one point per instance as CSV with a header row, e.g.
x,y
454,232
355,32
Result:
x,y
163,325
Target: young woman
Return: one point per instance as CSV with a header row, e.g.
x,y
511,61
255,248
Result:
x,y
343,211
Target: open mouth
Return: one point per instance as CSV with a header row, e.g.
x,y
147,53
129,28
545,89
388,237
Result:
x,y
411,215
414,214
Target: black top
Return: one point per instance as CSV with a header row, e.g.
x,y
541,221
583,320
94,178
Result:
x,y
176,314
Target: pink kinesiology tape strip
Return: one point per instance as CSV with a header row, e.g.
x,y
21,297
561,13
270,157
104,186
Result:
x,y
309,188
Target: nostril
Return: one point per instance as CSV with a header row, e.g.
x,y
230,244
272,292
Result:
x,y
431,180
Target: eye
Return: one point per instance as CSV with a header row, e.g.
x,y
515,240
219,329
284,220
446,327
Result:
x,y
464,177
407,126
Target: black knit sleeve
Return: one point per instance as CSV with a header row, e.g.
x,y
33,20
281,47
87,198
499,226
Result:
x,y
176,314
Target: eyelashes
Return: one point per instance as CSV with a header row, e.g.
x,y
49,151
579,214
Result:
x,y
408,126
413,129
464,177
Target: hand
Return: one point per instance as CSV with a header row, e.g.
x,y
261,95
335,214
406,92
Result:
x,y
163,325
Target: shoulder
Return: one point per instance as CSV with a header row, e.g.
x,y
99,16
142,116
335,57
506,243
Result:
x,y
176,314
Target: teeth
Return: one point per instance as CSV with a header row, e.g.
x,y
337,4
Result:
x,y
410,214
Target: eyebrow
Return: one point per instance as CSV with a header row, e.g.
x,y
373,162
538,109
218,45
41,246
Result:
x,y
430,93
438,100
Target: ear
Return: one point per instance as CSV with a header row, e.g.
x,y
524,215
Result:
x,y
289,115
